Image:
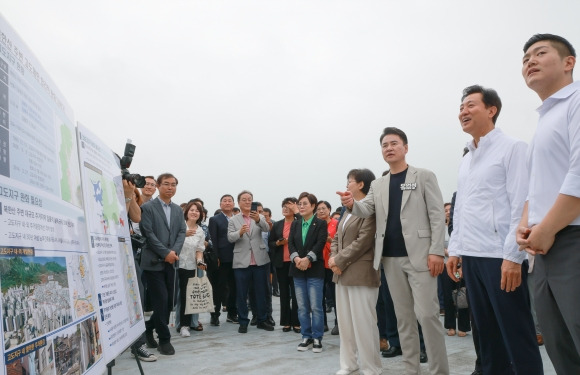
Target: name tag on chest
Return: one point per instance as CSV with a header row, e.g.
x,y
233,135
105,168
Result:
x,y
409,186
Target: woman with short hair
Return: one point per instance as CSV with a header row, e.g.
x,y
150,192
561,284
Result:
x,y
306,241
357,284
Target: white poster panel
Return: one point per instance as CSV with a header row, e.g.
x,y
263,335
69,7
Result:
x,y
119,305
48,303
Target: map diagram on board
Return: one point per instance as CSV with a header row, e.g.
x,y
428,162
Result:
x,y
105,206
81,285
131,287
70,179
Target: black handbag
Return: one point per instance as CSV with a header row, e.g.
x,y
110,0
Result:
x,y
210,258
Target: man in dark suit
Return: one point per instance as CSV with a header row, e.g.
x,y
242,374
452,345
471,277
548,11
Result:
x,y
163,225
223,279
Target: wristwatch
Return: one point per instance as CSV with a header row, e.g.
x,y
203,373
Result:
x,y
310,258
127,200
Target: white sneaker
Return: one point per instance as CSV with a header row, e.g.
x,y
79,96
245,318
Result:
x,y
317,346
304,345
184,332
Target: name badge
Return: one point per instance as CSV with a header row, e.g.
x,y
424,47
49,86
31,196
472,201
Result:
x,y
409,186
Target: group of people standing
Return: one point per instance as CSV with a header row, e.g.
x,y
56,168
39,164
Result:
x,y
514,204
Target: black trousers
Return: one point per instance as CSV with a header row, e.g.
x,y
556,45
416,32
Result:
x,y
225,287
161,289
288,303
507,337
275,288
460,322
184,276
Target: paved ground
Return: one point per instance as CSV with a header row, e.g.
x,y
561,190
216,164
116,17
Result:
x,y
222,350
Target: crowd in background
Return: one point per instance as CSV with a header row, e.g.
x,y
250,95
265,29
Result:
x,y
394,256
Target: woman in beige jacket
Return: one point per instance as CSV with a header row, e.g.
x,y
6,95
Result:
x,y
357,284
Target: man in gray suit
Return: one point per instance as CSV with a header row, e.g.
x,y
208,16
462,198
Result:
x,y
251,260
163,224
410,237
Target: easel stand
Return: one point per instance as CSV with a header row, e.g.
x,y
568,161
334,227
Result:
x,y
112,363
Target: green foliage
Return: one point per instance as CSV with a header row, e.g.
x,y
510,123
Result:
x,y
15,271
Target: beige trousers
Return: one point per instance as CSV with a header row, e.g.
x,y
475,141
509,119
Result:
x,y
357,322
415,298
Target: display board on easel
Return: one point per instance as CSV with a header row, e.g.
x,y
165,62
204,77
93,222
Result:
x,y
55,311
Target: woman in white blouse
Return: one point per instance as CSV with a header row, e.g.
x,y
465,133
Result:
x,y
190,261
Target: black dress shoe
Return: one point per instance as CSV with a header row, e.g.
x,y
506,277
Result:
x,y
477,372
335,330
276,294
150,340
254,321
214,321
271,321
166,349
265,326
297,329
232,319
243,329
286,329
393,351
325,328
423,357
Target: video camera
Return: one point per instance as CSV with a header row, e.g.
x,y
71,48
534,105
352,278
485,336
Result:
x,y
134,178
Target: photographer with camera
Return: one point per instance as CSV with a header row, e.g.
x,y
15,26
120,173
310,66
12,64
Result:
x,y
133,201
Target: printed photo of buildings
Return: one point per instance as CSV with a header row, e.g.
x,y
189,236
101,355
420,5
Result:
x,y
91,348
35,297
67,352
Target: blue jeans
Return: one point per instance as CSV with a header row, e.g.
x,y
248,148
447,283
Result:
x,y
309,297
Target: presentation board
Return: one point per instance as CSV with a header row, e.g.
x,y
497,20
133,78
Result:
x,y
56,307
111,253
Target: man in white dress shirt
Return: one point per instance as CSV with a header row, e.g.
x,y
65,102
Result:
x,y
550,224
490,196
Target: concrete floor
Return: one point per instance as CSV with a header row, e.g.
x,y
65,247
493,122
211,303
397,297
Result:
x,y
222,350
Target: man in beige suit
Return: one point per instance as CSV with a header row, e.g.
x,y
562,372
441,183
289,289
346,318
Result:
x,y
251,261
410,232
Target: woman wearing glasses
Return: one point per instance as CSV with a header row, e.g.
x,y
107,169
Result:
x,y
306,241
278,243
357,284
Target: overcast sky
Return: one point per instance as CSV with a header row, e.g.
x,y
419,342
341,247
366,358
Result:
x,y
281,97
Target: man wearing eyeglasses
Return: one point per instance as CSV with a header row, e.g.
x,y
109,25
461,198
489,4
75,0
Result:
x,y
409,242
148,190
163,224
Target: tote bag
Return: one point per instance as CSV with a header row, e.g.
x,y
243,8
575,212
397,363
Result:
x,y
199,296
